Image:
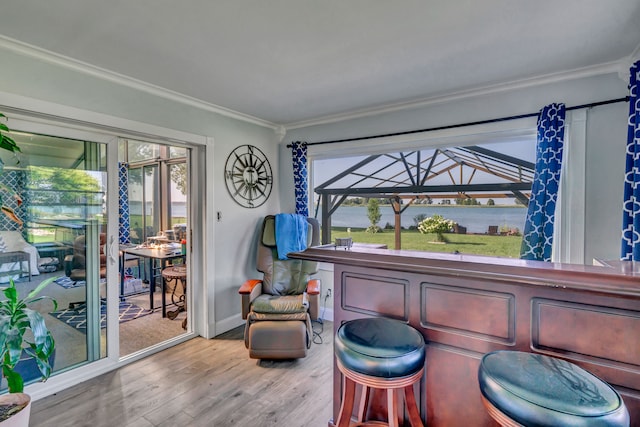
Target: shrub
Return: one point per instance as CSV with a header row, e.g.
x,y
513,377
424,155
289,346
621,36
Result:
x,y
436,224
374,229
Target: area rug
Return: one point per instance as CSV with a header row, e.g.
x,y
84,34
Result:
x,y
77,318
67,283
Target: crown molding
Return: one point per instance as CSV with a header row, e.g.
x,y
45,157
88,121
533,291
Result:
x,y
85,68
595,70
626,64
280,132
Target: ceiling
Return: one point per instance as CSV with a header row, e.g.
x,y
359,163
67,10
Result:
x,y
290,62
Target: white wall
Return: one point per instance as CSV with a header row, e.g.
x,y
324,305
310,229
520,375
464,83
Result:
x,y
231,239
606,146
605,141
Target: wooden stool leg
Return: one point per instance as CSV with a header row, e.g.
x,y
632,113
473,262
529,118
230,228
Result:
x,y
346,407
412,407
364,403
173,313
392,408
164,296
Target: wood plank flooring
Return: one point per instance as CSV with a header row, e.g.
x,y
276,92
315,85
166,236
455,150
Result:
x,y
201,383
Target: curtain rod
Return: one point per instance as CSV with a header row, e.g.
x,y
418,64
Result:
x,y
481,122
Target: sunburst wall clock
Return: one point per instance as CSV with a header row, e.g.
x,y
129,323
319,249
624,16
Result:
x,y
248,176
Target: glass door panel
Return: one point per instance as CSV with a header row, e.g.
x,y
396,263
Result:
x,y
136,219
177,196
143,197
158,203
62,184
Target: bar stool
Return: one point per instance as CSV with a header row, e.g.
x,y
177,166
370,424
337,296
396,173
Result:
x,y
525,389
382,354
176,274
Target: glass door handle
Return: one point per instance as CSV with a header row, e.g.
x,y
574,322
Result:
x,y
112,247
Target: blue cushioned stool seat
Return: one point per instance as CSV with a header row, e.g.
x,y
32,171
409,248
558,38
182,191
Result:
x,y
379,353
534,390
380,347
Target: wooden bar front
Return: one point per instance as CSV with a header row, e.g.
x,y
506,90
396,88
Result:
x,y
466,306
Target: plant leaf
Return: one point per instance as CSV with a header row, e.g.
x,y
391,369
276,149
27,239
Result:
x,y
53,301
12,295
5,325
8,143
13,347
14,380
39,288
11,214
38,327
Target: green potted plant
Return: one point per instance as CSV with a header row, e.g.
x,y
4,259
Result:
x,y
16,318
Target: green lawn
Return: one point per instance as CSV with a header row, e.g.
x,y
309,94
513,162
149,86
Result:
x,y
479,244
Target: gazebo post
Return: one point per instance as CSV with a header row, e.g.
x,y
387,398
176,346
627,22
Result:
x,y
395,204
326,219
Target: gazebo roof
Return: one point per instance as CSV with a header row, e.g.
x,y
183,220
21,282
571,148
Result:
x,y
439,173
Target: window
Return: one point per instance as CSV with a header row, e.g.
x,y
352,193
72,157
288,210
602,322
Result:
x,y
481,187
157,188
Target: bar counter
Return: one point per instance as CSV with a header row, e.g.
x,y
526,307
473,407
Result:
x,y
466,306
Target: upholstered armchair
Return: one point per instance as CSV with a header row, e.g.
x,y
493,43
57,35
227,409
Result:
x,y
280,306
75,264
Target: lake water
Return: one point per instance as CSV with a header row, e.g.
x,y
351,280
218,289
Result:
x,y
476,219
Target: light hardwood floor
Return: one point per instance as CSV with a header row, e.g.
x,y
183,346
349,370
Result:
x,y
201,383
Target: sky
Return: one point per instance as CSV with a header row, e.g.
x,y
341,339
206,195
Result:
x,y
325,169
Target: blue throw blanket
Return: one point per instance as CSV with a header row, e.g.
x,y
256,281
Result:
x,y
291,234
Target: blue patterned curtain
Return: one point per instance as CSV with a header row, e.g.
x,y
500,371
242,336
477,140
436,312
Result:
x,y
123,196
538,229
631,207
299,154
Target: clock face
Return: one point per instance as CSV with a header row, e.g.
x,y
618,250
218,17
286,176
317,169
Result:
x,y
248,176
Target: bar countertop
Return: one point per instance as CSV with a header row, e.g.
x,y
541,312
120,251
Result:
x,y
612,277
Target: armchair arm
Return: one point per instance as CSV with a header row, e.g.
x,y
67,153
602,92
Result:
x,y
313,292
248,286
249,291
313,287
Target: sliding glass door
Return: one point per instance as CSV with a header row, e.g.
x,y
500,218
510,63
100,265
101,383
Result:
x,y
77,203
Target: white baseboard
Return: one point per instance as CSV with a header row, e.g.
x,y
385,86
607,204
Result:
x,y
327,314
225,325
